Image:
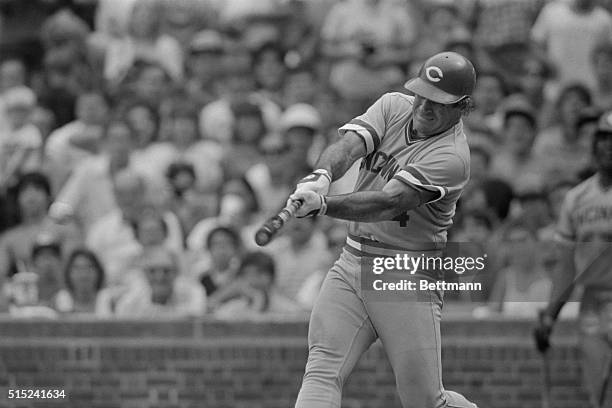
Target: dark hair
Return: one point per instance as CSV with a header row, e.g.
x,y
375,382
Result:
x,y
582,91
255,207
260,260
175,168
34,179
149,212
91,256
524,114
139,103
269,46
224,230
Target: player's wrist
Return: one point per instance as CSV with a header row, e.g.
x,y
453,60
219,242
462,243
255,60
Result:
x,y
325,173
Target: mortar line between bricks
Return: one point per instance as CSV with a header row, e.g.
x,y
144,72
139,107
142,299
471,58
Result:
x,y
71,342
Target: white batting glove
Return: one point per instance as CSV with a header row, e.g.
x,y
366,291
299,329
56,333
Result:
x,y
317,181
312,203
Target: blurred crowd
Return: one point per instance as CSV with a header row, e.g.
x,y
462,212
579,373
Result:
x,y
143,141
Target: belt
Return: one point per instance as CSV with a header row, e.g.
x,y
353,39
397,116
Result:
x,y
365,247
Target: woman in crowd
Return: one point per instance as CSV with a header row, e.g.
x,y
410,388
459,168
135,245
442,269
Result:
x,y
83,280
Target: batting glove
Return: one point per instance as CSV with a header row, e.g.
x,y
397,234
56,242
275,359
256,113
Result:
x,y
317,181
312,203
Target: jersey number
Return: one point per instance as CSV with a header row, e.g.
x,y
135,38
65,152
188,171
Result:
x,y
402,219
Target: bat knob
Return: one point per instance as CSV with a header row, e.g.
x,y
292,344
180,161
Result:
x,y
262,237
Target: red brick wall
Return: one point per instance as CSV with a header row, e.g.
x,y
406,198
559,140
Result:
x,y
246,365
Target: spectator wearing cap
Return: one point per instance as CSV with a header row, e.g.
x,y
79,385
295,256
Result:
x,y
567,32
515,162
144,42
601,61
300,125
236,86
162,291
366,41
83,281
88,194
21,143
254,295
204,66
562,153
33,196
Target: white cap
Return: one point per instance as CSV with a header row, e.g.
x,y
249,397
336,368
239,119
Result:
x,y
20,96
300,115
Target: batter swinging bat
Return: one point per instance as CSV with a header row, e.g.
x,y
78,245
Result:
x,y
270,228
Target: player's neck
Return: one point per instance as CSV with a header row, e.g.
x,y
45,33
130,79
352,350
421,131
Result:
x,y
416,135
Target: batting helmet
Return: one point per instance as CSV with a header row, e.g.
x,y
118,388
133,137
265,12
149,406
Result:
x,y
445,78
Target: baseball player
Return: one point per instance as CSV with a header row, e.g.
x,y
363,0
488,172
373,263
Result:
x,y
415,164
584,232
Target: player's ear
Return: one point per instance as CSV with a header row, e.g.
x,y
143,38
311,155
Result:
x,y
466,105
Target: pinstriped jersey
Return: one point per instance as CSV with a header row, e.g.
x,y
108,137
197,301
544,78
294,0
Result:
x,y
438,164
586,220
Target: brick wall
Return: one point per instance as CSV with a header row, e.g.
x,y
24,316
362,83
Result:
x,y
247,365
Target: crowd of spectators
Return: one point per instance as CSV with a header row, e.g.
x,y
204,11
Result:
x,y
143,141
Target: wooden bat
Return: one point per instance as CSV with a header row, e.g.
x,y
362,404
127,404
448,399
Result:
x,y
270,228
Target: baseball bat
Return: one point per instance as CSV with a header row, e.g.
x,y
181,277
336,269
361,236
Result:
x,y
605,382
270,228
546,383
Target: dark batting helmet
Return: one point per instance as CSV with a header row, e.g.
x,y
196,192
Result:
x,y
445,78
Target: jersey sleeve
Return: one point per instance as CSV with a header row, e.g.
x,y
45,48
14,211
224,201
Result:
x,y
440,173
371,125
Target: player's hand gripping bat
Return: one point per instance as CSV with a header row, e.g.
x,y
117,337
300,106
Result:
x,y
270,228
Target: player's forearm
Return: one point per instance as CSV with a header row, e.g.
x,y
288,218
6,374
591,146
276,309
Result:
x,y
366,206
340,156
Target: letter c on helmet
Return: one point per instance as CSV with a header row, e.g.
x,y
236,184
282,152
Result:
x,y
434,74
